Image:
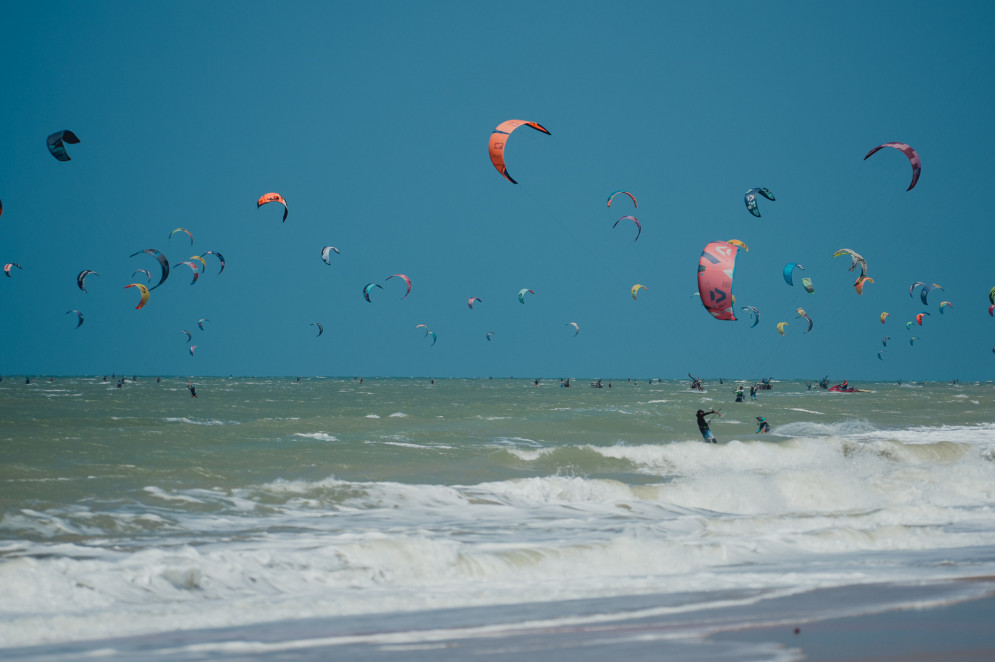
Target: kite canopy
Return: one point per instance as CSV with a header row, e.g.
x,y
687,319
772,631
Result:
x,y
56,143
788,272
780,327
326,254
715,271
145,294
884,316
81,278
910,153
79,317
471,301
639,227
926,289
500,137
521,294
751,199
405,279
163,264
636,288
220,259
614,193
756,314
368,287
189,234
274,197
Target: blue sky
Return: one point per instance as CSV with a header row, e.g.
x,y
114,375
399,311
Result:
x,y
372,120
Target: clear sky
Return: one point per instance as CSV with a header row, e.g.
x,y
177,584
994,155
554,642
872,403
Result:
x,y
372,120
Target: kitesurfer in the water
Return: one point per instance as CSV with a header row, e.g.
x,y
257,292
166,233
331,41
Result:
x,y
193,390
739,394
763,427
708,435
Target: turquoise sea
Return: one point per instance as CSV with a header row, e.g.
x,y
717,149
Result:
x,y
411,519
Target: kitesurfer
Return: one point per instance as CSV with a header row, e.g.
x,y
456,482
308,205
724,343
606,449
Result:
x,y
708,435
763,425
193,390
753,392
739,394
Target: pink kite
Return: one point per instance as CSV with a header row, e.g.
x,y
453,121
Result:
x,y
715,269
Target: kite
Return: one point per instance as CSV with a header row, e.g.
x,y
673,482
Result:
x,y
274,197
56,144
1,207
737,242
807,284
780,327
406,280
788,272
189,335
470,301
991,310
489,334
991,295
79,317
614,193
201,321
7,267
859,285
913,339
575,326
756,314
751,199
145,294
196,273
521,294
926,289
192,348
220,259
429,332
367,288
917,284
326,253
163,264
855,259
635,290
884,341
321,328
880,353
884,316
202,261
945,303
639,227
801,313
715,271
919,317
910,153
498,139
81,277
182,230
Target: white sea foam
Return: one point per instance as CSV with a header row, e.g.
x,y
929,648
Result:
x,y
320,436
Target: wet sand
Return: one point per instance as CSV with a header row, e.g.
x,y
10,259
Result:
x,y
960,632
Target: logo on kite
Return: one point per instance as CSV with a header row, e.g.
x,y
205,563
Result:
x,y
500,137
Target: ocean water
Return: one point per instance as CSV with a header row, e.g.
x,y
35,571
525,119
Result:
x,y
399,518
